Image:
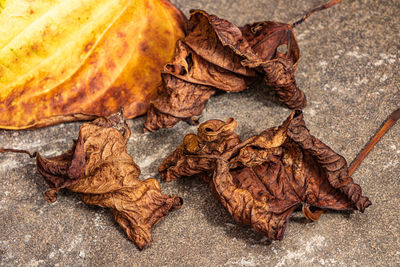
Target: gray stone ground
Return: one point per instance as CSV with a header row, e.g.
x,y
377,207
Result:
x,y
349,72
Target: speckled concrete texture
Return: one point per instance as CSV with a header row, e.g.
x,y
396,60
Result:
x,y
350,73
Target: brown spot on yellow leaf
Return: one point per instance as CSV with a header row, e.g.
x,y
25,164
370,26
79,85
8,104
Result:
x,y
29,107
35,47
96,82
110,65
144,46
88,46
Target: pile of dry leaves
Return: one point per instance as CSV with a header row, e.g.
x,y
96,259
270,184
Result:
x,y
260,181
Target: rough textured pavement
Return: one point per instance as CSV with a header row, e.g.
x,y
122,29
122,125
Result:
x,y
350,73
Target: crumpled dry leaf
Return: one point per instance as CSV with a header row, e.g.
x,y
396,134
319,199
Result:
x,y
262,180
72,60
216,54
213,138
99,168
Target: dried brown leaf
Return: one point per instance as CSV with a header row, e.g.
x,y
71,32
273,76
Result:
x,y
262,180
194,156
217,55
99,168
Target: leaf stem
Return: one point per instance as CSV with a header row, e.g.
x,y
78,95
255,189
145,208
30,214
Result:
x,y
386,126
5,150
309,13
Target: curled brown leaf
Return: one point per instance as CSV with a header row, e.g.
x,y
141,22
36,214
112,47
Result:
x,y
218,55
263,179
99,167
194,156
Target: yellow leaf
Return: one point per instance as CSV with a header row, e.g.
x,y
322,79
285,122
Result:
x,y
64,60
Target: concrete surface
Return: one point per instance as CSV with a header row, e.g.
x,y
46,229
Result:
x,y
350,74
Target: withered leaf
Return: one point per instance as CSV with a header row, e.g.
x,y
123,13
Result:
x,y
217,55
213,138
77,60
99,167
263,179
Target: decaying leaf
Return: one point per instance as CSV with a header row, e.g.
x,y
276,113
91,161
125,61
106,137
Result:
x,y
99,167
69,60
213,138
217,55
262,180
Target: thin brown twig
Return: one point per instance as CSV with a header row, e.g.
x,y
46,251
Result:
x,y
309,13
5,150
386,126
